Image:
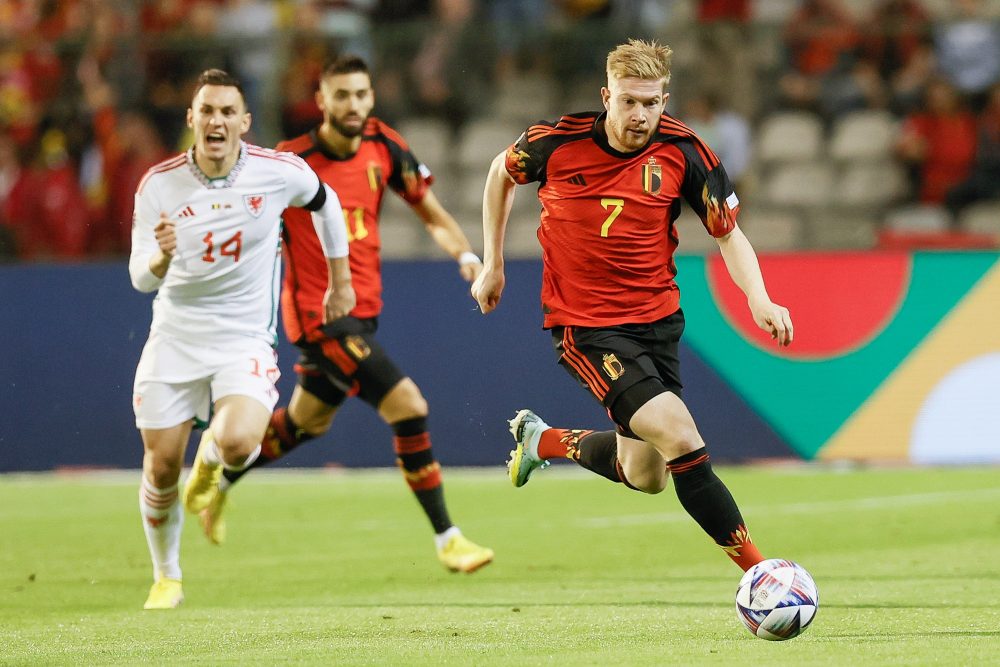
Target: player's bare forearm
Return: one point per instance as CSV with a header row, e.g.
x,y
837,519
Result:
x,y
449,236
741,261
498,197
339,299
442,226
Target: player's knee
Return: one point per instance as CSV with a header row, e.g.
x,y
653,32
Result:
x,y
672,440
315,423
237,443
647,479
672,432
163,472
404,401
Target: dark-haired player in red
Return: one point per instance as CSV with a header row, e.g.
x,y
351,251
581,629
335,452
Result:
x,y
360,157
611,186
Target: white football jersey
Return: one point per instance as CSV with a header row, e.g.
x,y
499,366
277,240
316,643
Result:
x,y
224,277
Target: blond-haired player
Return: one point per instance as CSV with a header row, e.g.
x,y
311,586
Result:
x,y
611,187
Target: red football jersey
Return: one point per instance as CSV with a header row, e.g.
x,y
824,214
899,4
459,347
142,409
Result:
x,y
607,225
383,160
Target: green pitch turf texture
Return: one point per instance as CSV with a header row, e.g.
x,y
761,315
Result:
x,y
338,568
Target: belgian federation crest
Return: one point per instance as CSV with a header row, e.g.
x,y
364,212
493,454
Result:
x,y
652,178
374,176
254,204
613,367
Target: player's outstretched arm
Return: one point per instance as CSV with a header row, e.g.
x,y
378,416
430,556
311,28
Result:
x,y
741,260
328,221
498,197
448,235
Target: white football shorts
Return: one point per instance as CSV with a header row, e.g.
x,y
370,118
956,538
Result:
x,y
177,380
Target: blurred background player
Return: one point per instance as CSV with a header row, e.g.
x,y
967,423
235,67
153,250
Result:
x,y
361,156
205,235
611,189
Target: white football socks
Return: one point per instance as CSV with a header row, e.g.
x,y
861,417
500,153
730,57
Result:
x,y
162,520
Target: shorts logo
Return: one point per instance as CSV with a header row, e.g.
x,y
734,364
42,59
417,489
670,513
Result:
x,y
254,204
357,347
137,400
612,367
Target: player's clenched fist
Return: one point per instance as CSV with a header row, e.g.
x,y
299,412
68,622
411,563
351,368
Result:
x,y
487,288
166,235
338,302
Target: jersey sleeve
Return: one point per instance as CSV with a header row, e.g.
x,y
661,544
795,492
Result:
x,y
408,177
145,217
303,184
707,189
526,159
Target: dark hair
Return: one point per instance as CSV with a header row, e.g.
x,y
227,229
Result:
x,y
218,77
347,64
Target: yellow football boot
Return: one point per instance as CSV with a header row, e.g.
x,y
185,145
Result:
x,y
165,594
463,555
203,483
213,524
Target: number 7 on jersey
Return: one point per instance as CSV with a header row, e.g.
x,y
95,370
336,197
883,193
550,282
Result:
x,y
618,205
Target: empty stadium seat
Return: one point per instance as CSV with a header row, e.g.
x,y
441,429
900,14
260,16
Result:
x,y
483,139
790,135
863,135
871,184
524,100
773,11
772,230
430,140
800,184
918,218
981,218
842,229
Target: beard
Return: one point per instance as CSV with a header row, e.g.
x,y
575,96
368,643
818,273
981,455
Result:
x,y
347,130
630,140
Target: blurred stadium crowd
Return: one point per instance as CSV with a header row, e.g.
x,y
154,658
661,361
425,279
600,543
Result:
x,y
846,124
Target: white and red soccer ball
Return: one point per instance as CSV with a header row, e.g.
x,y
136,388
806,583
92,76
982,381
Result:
x,y
777,599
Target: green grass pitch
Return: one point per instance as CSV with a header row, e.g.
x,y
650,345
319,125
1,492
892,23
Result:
x,y
339,568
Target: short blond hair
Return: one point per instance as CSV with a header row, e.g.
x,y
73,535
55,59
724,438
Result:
x,y
641,60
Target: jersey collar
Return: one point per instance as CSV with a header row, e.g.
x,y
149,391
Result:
x,y
222,182
327,153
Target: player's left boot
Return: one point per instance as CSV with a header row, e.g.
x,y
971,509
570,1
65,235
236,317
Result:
x,y
203,483
461,554
165,594
213,524
526,427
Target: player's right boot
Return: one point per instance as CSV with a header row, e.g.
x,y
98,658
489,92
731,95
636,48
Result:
x,y
203,483
212,522
165,594
526,427
461,554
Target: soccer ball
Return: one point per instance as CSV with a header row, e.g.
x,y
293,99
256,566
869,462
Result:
x,y
777,599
